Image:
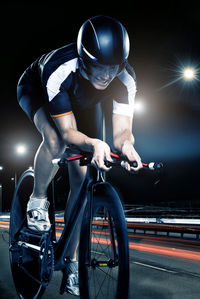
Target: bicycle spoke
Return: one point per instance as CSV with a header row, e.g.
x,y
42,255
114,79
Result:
x,y
100,285
98,282
108,275
103,280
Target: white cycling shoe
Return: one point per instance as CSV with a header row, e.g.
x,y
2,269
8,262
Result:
x,y
37,215
70,281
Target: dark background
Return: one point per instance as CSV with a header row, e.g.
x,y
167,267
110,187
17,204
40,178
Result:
x,y
164,39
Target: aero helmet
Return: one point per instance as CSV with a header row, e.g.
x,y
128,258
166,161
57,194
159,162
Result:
x,y
104,40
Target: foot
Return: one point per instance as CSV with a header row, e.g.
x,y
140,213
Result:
x,y
37,215
70,281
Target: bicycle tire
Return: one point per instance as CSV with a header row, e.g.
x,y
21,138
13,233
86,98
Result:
x,y
97,244
25,265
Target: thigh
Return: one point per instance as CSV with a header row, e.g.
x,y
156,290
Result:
x,y
48,130
30,94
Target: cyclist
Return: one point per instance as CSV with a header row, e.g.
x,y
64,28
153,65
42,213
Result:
x,y
61,93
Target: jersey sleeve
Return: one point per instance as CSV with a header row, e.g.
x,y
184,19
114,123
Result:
x,y
60,105
58,98
129,81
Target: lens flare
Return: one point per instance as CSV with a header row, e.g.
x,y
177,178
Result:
x,y
21,149
189,74
139,106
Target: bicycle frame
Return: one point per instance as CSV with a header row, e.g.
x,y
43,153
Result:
x,y
92,187
36,269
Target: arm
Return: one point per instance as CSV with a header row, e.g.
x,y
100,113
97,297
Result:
x,y
122,131
123,139
68,129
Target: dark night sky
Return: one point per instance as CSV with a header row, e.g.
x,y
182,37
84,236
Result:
x,y
163,38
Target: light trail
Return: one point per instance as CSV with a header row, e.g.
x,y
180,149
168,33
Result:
x,y
155,249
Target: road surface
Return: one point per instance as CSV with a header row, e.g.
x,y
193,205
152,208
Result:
x,y
160,267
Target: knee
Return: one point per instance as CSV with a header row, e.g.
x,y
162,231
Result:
x,y
54,144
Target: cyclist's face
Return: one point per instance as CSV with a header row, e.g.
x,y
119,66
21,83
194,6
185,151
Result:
x,y
100,76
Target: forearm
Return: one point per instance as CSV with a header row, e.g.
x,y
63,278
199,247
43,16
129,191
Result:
x,y
83,142
122,138
99,149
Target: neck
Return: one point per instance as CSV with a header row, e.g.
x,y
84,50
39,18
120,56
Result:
x,y
83,72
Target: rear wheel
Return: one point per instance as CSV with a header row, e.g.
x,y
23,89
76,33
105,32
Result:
x,y
31,254
104,251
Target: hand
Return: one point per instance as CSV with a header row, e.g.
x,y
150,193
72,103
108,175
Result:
x,y
130,153
100,154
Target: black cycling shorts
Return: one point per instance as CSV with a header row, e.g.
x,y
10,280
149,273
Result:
x,y
31,97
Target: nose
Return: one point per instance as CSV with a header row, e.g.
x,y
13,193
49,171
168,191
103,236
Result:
x,y
105,75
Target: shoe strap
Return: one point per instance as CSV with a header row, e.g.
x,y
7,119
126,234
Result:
x,y
38,203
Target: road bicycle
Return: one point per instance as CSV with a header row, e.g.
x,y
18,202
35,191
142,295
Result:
x,y
103,248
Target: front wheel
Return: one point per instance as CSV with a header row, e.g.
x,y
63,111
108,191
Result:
x,y
104,251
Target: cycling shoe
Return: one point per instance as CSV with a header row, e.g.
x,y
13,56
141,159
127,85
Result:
x,y
37,215
70,281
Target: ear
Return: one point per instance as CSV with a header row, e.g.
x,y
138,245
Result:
x,y
83,66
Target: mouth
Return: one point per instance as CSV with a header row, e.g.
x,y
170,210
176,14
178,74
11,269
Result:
x,y
102,83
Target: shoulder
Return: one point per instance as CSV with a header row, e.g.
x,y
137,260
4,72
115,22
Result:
x,y
60,55
61,60
128,78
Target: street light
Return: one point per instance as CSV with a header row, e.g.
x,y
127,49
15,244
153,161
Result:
x,y
21,149
189,74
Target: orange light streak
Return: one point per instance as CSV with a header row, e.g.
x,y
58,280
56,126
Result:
x,y
161,250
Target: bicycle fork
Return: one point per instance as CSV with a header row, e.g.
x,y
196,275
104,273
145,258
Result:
x,y
113,261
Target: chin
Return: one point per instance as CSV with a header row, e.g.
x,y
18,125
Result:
x,y
100,87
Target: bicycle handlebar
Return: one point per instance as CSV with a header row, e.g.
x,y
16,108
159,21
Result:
x,y
85,159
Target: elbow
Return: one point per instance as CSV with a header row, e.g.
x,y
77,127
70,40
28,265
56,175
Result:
x,y
66,137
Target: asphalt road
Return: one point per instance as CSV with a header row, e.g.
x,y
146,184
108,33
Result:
x,y
154,273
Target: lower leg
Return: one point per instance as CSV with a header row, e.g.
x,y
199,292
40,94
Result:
x,y
37,208
76,176
74,242
44,171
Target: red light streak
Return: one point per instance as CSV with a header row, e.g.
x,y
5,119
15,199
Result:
x,y
155,249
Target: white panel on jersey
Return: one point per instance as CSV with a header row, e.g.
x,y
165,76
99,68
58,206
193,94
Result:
x,y
59,75
129,82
